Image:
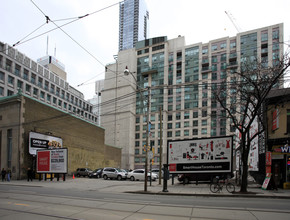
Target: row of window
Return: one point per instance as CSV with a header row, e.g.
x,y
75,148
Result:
x,y
29,89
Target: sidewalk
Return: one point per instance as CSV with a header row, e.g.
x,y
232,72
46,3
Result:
x,y
254,190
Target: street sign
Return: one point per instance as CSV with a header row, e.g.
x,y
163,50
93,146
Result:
x,y
150,155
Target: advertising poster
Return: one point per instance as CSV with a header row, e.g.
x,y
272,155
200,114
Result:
x,y
39,141
52,161
201,155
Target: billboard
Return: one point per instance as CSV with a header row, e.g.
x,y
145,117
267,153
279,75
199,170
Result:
x,y
38,141
52,161
206,155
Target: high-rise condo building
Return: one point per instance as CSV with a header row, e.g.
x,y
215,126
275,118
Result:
x,y
179,80
133,23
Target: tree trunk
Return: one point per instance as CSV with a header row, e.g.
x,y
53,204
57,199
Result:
x,y
245,152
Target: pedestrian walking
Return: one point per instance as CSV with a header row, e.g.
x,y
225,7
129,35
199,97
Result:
x,y
8,175
3,174
29,174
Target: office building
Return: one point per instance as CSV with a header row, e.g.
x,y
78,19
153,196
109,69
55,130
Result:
x,y
44,81
178,79
133,23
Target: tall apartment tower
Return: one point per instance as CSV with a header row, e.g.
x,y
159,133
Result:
x,y
178,79
133,23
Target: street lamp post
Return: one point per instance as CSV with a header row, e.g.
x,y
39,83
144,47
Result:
x,y
127,72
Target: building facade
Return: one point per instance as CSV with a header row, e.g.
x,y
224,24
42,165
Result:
x,y
19,72
178,79
21,114
133,23
277,113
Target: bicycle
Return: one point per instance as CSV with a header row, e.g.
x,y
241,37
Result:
x,y
218,186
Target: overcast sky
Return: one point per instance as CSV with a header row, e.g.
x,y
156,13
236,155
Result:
x,y
198,21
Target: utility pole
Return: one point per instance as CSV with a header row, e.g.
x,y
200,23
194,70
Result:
x,y
160,149
147,141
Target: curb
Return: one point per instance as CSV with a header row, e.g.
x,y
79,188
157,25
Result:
x,y
238,195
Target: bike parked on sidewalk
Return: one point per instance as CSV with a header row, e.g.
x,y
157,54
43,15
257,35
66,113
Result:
x,y
218,185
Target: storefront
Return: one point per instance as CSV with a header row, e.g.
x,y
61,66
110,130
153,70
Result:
x,y
280,161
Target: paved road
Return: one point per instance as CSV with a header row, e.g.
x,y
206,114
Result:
x,y
23,200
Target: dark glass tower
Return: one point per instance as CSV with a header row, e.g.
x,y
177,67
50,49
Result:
x,y
133,23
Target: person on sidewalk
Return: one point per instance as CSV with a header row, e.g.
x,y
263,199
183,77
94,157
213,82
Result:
x,y
8,175
29,174
3,174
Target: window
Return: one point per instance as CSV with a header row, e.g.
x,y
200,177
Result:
x,y
48,98
186,132
214,76
213,47
27,88
223,131
169,134
25,74
42,94
54,100
178,116
2,76
186,124
204,131
9,147
177,134
186,115
17,70
33,78
194,132
204,113
177,125
137,136
2,91
169,126
46,84
35,91
195,115
9,92
204,122
195,123
223,45
10,80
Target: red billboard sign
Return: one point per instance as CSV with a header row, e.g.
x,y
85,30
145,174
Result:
x,y
52,160
43,161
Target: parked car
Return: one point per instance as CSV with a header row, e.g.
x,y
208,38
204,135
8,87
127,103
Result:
x,y
97,173
83,172
114,173
156,171
139,174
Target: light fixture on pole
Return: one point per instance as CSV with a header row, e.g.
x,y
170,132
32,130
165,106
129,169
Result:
x,y
127,72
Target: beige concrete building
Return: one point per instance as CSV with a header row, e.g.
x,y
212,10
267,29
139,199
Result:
x,y
179,79
21,114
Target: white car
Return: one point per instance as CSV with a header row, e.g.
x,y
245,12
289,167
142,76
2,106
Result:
x,y
139,174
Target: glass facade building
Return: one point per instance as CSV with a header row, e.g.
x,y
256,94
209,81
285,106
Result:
x,y
133,23
180,80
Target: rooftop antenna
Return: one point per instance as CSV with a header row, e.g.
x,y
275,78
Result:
x,y
47,46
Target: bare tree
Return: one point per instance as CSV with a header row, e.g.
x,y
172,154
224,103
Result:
x,y
242,96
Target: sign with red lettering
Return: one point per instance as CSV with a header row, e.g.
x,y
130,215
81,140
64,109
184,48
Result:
x,y
268,158
52,161
275,122
43,161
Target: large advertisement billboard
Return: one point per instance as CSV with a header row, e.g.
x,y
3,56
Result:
x,y
38,141
52,161
206,155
